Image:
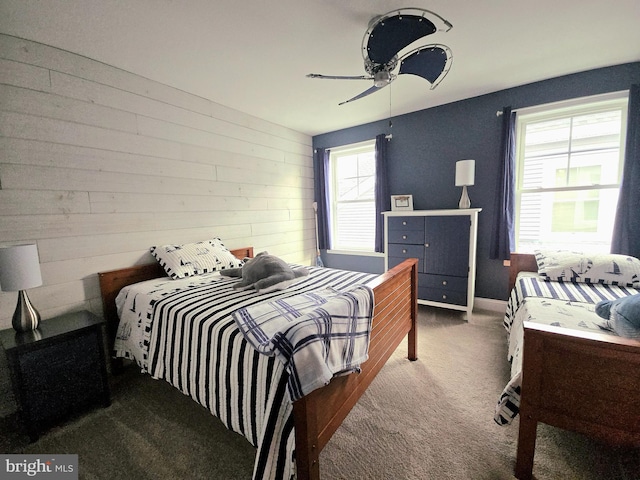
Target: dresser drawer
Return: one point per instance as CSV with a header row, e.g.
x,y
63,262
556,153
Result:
x,y
446,282
406,251
406,223
393,261
442,295
406,236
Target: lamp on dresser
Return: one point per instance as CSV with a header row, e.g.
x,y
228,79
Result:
x,y
465,176
19,270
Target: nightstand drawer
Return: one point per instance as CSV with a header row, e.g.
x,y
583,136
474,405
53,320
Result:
x,y
406,223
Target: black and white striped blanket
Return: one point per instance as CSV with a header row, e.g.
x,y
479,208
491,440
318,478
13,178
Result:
x,y
316,335
183,331
571,305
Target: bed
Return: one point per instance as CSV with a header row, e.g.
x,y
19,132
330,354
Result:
x,y
567,371
284,434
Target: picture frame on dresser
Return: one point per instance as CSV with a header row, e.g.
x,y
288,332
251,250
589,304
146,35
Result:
x,y
446,256
401,202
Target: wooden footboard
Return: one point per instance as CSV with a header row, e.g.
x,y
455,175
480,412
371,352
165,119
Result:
x,y
580,381
318,415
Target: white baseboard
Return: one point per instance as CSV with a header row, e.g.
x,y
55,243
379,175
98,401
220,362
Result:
x,y
490,304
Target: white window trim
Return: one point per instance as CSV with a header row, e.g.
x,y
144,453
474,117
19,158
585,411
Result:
x,y
345,150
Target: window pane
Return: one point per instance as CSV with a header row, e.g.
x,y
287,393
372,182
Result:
x,y
596,131
573,219
366,164
548,137
355,226
541,172
575,211
598,167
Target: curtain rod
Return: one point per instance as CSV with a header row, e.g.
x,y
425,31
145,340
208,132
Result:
x,y
572,101
499,112
388,136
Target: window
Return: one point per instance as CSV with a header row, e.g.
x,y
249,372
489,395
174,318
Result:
x,y
352,197
569,164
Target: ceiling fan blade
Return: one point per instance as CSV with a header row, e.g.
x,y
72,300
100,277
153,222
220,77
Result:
x,y
369,91
339,77
431,62
390,33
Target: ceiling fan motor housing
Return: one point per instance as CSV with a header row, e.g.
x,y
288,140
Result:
x,y
385,40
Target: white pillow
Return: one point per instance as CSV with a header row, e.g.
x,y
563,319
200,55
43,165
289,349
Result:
x,y
189,259
606,268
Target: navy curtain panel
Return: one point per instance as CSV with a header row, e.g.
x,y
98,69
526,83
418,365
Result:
x,y
503,235
321,167
626,230
383,200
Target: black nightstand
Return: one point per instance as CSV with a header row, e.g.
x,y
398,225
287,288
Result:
x,y
58,369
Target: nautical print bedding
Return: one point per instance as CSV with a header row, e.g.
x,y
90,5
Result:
x,y
529,284
563,304
183,331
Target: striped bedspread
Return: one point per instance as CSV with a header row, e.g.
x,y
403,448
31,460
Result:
x,y
563,304
183,331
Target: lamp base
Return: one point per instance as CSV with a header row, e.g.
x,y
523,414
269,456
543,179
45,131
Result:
x,y
26,318
465,201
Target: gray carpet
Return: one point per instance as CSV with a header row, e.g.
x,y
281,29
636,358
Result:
x,y
430,419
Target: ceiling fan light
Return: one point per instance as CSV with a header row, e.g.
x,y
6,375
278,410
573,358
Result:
x,y
381,78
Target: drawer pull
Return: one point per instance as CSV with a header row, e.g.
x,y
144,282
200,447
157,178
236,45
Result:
x,y
404,237
404,250
444,297
426,245
404,223
444,282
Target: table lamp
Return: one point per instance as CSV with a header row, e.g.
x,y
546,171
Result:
x,y
465,175
19,270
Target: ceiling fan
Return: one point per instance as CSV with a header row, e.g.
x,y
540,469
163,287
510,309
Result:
x,y
390,33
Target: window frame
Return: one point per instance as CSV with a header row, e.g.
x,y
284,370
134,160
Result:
x,y
560,110
334,153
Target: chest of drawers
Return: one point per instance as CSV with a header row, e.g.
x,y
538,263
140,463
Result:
x,y
444,242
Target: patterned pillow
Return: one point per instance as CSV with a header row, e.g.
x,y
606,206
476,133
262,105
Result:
x,y
611,269
189,259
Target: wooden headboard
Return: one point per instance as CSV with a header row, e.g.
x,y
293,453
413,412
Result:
x,y
113,281
521,262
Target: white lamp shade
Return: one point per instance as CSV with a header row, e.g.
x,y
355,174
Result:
x,y
19,268
465,172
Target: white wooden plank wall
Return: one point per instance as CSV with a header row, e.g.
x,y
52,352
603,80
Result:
x,y
98,164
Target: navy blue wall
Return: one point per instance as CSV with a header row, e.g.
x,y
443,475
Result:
x,y
427,144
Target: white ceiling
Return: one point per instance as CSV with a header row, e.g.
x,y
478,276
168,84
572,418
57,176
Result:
x,y
253,55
